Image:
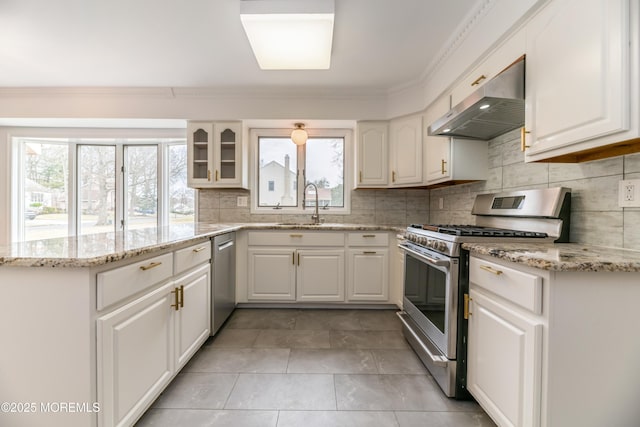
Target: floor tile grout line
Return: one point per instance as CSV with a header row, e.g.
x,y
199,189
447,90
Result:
x,y
226,401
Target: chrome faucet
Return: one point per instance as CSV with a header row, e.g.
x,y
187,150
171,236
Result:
x,y
316,216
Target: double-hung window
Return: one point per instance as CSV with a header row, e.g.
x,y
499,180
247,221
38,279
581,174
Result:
x,y
290,178
73,186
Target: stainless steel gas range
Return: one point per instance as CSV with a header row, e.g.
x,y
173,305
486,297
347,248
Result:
x,y
436,273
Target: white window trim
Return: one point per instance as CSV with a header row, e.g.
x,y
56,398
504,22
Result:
x,y
16,208
255,134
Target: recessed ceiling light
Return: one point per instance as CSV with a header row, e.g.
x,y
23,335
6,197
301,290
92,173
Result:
x,y
484,106
289,34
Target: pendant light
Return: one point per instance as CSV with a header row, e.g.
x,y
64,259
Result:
x,y
299,135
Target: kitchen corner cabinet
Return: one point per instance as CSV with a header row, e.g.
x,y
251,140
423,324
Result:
x,y
216,155
452,160
535,337
405,151
582,80
372,155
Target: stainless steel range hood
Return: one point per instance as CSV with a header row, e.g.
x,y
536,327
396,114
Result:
x,y
494,109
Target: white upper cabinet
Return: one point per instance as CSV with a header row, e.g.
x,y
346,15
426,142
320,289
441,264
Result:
x,y
372,154
505,55
437,148
216,155
448,159
581,78
406,151
227,143
199,154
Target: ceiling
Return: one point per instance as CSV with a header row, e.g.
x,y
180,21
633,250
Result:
x,y
379,45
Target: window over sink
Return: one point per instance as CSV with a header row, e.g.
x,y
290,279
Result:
x,y
283,170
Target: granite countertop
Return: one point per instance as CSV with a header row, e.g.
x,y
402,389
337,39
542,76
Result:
x,y
97,249
561,256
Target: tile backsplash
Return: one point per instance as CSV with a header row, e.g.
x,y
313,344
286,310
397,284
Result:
x,y
388,207
595,218
595,215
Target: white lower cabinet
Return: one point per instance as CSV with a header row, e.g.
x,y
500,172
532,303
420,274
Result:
x,y
537,340
192,319
135,356
272,274
368,274
504,358
320,275
316,267
288,274
144,343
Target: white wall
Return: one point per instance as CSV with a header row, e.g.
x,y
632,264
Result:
x,y
5,188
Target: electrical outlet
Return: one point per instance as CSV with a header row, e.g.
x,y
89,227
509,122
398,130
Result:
x,y
440,203
629,193
242,201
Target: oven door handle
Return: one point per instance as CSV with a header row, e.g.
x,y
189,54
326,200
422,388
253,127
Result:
x,y
437,360
432,261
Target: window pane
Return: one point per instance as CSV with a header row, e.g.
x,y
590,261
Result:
x,y
181,197
325,168
97,188
277,182
141,164
45,189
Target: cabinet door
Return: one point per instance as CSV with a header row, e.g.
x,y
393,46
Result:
x,y
135,356
437,161
193,319
577,74
406,151
199,154
368,274
272,274
320,275
504,362
227,143
372,154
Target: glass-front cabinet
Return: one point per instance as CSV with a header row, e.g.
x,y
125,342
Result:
x,y
215,154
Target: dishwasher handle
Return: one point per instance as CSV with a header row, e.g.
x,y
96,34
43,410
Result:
x,y
225,245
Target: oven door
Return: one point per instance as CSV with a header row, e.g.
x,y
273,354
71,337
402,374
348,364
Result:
x,y
431,295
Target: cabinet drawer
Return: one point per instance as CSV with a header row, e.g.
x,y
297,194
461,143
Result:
x,y
520,288
368,239
187,258
295,238
119,283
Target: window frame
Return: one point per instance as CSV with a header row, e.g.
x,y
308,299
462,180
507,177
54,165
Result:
x,y
75,137
256,134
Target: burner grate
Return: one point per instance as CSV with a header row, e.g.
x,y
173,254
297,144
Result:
x,y
473,230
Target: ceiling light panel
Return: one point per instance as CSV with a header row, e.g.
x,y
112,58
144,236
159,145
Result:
x,y
289,34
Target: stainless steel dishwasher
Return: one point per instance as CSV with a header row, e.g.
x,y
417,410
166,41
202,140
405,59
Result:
x,y
223,289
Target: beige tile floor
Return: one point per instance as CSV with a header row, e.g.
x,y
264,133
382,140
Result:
x,y
310,368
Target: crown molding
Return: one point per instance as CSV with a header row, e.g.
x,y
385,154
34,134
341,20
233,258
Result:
x,y
453,43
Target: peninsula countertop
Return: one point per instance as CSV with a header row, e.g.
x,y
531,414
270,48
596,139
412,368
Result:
x,y
101,248
561,256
